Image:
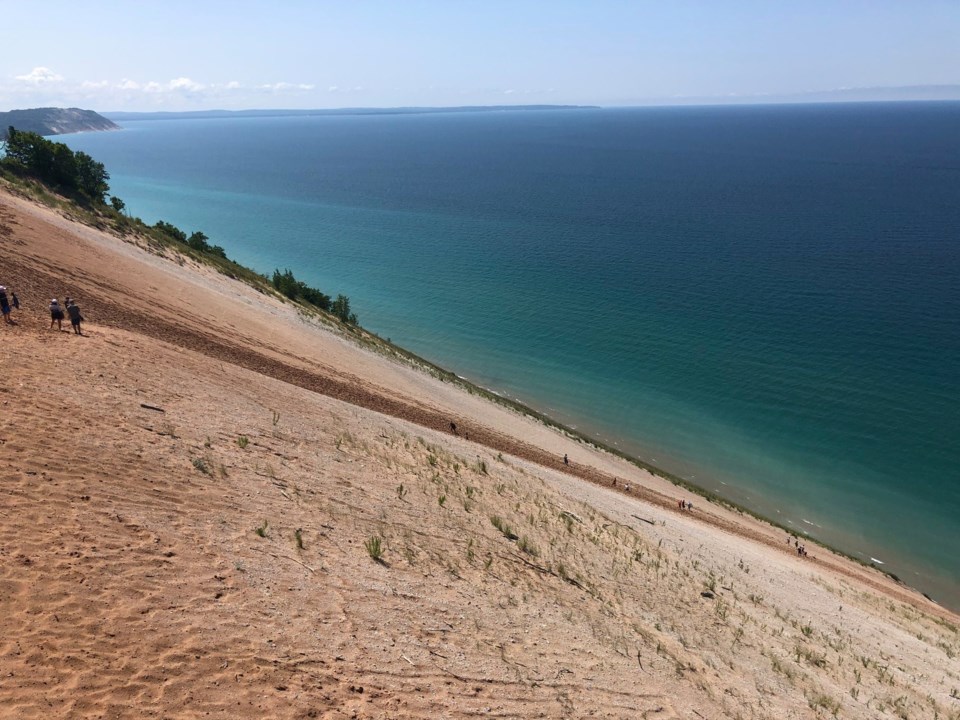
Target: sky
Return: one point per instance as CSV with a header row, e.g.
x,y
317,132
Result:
x,y
112,55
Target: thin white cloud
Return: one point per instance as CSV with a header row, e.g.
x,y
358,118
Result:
x,y
185,84
43,86
40,76
182,85
285,87
338,88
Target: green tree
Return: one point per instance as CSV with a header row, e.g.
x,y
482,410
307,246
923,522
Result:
x,y
286,283
341,309
314,297
118,204
57,165
20,147
91,176
171,231
198,241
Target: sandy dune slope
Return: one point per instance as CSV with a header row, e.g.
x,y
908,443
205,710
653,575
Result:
x,y
211,555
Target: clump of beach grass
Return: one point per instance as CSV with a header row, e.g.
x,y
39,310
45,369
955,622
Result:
x,y
374,547
526,546
503,526
823,701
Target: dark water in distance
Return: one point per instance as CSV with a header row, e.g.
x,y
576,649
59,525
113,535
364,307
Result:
x,y
763,299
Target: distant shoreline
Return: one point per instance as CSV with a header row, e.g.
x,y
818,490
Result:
x,y
653,104
221,114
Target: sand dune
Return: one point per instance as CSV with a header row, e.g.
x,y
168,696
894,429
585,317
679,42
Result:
x,y
213,557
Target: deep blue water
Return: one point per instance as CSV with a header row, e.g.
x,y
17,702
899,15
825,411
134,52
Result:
x,y
763,299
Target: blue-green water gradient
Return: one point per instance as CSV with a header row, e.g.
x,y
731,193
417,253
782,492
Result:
x,y
763,299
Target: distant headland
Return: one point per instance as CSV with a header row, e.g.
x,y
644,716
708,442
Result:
x,y
54,121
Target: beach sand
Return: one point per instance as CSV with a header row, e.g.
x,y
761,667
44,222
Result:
x,y
158,472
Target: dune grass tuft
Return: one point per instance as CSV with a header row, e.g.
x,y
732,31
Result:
x,y
374,547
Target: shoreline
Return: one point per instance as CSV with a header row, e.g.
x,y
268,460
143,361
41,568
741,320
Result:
x,y
794,526
942,587
938,587
833,425
662,495
217,503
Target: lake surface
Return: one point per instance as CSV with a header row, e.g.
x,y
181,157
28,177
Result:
x,y
764,300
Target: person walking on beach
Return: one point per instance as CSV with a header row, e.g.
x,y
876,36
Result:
x,y
5,305
566,460
73,310
56,314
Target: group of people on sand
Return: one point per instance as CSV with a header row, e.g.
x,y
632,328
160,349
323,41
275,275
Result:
x,y
57,314
8,301
684,504
801,549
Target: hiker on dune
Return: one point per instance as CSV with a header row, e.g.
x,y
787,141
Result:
x,y
56,314
73,310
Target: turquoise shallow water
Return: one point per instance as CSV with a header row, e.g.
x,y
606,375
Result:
x,y
765,300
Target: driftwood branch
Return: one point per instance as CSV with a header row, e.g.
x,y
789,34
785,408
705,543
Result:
x,y
546,571
452,674
285,557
